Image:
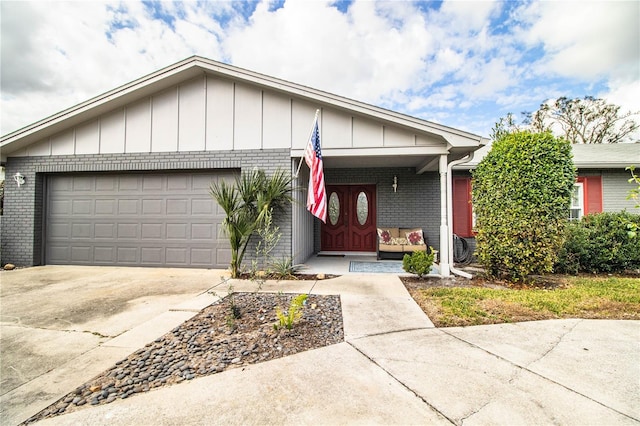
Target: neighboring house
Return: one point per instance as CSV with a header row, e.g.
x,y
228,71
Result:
x,y
601,186
123,179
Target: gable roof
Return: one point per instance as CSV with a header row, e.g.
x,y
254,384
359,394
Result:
x,y
585,156
196,66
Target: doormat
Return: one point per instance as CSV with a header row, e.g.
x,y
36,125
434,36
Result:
x,y
330,255
386,267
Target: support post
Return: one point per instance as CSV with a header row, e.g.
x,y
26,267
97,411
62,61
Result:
x,y
445,262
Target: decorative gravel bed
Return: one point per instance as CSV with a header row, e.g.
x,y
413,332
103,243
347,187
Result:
x,y
209,343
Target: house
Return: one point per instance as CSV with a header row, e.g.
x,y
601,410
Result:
x,y
123,178
601,185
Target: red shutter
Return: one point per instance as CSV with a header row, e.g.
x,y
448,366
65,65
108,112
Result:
x,y
462,206
593,194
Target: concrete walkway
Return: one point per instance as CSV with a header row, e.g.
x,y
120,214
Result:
x,y
393,368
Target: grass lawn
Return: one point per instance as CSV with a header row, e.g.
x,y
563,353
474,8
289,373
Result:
x,y
581,297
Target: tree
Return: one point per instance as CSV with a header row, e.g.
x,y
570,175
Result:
x,y
588,120
581,121
249,204
521,196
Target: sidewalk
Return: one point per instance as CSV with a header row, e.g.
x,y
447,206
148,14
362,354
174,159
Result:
x,y
396,368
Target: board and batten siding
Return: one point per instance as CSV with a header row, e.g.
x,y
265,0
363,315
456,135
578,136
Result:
x,y
214,114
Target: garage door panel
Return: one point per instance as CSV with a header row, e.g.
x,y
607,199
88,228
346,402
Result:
x,y
177,256
80,207
127,255
127,207
81,230
177,231
152,255
59,253
150,207
104,230
82,184
128,183
135,219
151,183
201,257
152,231
177,206
81,254
203,206
177,183
106,183
223,255
104,255
105,207
59,230
60,207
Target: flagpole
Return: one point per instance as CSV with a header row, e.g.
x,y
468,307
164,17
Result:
x,y
308,139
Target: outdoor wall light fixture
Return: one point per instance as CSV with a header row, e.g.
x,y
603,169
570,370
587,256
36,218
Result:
x,y
395,184
19,179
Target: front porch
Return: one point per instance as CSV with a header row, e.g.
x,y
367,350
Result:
x,y
342,264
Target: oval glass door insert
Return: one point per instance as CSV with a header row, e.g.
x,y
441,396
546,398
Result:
x,y
334,208
362,208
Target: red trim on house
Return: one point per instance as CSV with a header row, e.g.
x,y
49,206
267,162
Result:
x,y
592,193
462,208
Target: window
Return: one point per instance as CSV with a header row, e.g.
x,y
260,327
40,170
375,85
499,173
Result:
x,y
577,201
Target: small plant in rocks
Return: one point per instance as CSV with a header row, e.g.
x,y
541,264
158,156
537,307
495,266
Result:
x,y
293,314
418,262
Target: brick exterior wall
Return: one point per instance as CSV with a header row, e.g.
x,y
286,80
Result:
x,y
22,224
415,204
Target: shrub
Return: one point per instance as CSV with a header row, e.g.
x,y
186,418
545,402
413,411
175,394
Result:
x,y
602,242
293,315
521,196
418,262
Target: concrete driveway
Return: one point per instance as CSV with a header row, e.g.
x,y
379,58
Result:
x,y
61,326
53,318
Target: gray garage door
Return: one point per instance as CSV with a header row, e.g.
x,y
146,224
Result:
x,y
142,219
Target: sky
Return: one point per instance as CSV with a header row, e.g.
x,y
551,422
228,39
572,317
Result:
x,y
462,64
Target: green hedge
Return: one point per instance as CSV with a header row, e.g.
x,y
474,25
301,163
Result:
x,y
521,196
602,242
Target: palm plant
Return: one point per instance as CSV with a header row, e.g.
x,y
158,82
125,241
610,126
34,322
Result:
x,y
247,205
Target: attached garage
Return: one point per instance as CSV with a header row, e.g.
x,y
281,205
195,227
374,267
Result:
x,y
141,219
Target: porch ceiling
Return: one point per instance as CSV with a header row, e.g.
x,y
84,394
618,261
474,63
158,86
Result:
x,y
360,162
387,157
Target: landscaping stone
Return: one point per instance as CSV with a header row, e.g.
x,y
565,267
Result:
x,y
206,344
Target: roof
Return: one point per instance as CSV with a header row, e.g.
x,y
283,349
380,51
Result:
x,y
585,156
196,65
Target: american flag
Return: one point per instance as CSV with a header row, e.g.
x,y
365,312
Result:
x,y
317,196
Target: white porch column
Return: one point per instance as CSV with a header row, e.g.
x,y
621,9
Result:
x,y
445,262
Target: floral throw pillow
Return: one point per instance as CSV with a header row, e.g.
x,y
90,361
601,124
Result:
x,y
384,236
415,238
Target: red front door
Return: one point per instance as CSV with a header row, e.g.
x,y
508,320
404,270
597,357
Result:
x,y
351,222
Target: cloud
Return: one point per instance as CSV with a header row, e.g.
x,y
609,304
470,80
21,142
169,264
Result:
x,y
466,62
591,39
356,54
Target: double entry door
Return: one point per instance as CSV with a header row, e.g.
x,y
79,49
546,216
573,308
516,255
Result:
x,y
351,222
